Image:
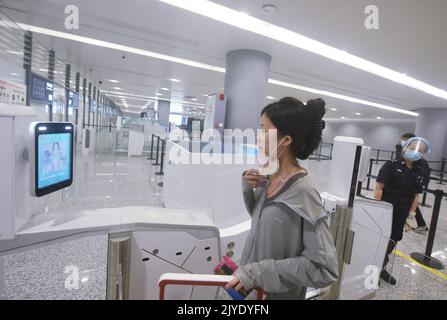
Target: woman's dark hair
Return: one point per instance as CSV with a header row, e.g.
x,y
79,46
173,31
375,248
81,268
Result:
x,y
408,135
302,122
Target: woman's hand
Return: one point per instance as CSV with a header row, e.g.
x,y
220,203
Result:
x,y
235,283
253,178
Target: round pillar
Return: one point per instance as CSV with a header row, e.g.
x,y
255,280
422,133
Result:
x,y
432,125
164,109
246,77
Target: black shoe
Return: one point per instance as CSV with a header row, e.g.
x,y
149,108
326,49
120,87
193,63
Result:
x,y
423,229
385,276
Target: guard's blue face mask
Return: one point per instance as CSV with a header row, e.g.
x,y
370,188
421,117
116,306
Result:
x,y
403,143
411,155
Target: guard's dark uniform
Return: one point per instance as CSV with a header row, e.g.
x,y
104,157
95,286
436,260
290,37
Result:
x,y
400,188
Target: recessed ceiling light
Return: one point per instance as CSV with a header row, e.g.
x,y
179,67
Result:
x,y
43,70
269,9
117,88
13,74
271,98
159,94
334,109
174,80
114,81
379,118
205,95
164,89
342,118
194,99
245,22
358,114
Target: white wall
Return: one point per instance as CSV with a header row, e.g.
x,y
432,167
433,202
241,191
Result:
x,y
382,134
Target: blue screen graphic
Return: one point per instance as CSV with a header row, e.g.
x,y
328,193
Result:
x,y
53,159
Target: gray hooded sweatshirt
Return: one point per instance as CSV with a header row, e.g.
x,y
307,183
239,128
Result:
x,y
289,247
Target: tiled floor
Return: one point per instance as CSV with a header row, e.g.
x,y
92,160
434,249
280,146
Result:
x,y
74,270
115,181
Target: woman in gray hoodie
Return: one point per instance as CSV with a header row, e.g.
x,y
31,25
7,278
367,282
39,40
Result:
x,y
289,247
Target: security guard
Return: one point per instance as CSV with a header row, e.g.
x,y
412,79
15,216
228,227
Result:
x,y
415,215
398,183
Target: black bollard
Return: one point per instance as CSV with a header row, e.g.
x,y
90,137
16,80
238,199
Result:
x,y
152,148
441,175
369,174
426,258
156,156
424,196
163,144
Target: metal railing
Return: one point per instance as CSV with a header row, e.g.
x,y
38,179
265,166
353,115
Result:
x,y
159,155
320,155
440,178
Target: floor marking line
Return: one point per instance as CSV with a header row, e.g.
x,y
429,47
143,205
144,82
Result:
x,y
434,271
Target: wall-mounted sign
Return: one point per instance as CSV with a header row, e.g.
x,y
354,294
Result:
x,y
41,89
215,112
73,99
12,92
94,106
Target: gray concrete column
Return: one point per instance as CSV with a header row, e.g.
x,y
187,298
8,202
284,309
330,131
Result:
x,y
432,125
247,73
164,108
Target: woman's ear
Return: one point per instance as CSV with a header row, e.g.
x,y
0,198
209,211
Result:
x,y
288,141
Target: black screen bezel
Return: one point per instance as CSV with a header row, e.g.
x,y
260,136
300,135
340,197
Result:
x,y
51,128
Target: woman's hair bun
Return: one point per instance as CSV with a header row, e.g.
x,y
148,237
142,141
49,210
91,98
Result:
x,y
316,107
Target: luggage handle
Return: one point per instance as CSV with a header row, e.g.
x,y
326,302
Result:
x,y
196,280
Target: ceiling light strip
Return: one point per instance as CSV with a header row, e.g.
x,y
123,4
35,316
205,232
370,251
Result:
x,y
200,65
341,97
243,21
115,46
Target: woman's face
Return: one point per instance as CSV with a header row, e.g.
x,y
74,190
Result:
x,y
268,129
418,147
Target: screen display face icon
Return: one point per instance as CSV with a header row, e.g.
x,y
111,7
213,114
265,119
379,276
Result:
x,y
53,159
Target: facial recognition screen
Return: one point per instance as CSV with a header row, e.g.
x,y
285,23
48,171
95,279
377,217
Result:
x,y
53,157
